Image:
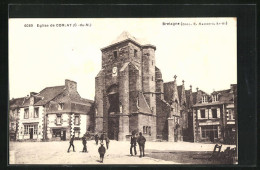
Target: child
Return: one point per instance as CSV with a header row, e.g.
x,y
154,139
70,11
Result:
x,y
102,151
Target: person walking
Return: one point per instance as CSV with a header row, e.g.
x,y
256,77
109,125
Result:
x,y
141,142
107,141
133,144
96,139
71,144
84,142
101,151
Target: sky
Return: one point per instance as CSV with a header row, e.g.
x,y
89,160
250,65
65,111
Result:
x,y
204,56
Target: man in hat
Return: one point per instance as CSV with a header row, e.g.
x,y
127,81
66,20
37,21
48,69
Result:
x,y
102,137
133,143
71,144
84,142
96,139
141,142
107,141
101,151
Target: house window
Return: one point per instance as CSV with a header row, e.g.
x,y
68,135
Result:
x,y
28,127
152,78
58,121
207,131
61,105
147,129
26,113
135,53
150,131
232,114
36,112
214,113
35,129
144,130
115,54
77,133
76,120
202,114
204,99
12,126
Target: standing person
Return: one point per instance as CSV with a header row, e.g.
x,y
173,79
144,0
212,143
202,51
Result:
x,y
84,142
107,141
141,142
101,151
71,144
96,139
102,137
133,144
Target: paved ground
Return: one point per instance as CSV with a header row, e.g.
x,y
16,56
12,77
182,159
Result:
x,y
118,153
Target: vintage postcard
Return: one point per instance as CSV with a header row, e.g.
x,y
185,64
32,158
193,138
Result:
x,y
123,91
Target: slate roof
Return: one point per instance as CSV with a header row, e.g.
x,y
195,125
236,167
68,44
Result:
x,y
194,96
127,36
143,106
179,89
49,93
17,102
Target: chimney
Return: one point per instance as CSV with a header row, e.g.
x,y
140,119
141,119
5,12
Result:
x,y
33,93
70,85
197,89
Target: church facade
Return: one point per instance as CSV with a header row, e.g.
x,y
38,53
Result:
x,y
130,95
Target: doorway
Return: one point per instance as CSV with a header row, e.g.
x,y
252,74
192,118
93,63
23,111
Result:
x,y
113,119
31,133
64,135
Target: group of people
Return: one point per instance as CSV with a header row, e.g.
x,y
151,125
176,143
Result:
x,y
102,150
84,142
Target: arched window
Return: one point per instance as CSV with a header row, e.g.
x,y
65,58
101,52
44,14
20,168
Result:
x,y
144,130
147,129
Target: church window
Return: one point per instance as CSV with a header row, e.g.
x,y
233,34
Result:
x,y
135,53
115,54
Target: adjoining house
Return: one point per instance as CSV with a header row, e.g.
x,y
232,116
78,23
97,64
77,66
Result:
x,y
214,117
14,108
55,113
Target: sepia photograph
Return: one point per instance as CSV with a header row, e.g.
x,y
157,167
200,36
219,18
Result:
x,y
95,91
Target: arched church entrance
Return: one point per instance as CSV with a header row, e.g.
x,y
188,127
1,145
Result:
x,y
113,112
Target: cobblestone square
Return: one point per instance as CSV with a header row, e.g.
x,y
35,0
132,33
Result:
x,y
55,152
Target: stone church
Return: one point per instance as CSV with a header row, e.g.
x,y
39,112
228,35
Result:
x,y
130,95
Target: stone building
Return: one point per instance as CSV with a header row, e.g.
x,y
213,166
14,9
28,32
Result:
x,y
55,113
130,95
214,116
125,93
14,108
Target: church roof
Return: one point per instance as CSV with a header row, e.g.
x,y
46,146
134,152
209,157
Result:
x,y
124,36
